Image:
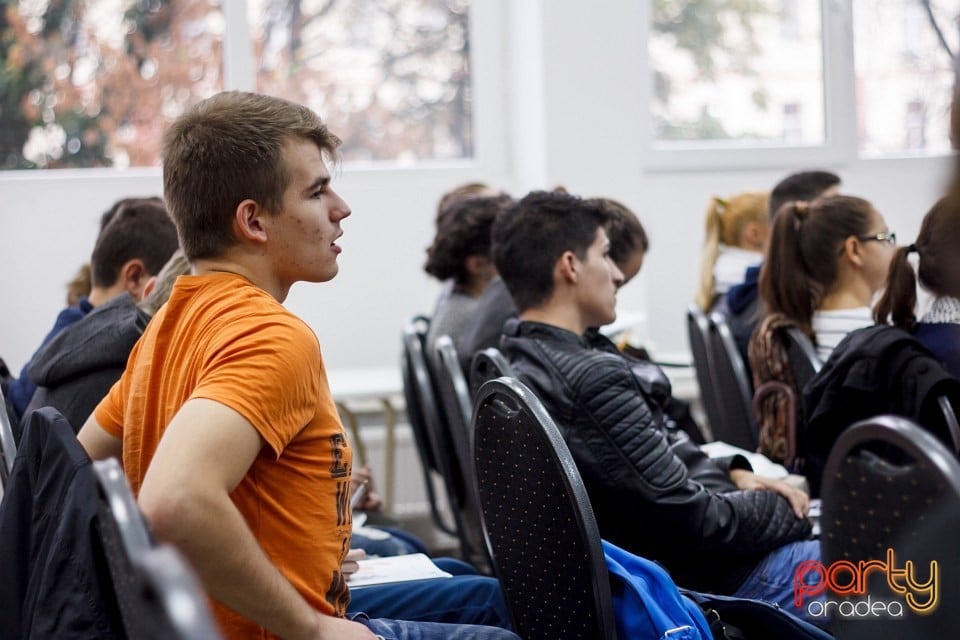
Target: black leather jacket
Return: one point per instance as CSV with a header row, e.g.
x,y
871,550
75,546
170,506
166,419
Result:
x,y
664,501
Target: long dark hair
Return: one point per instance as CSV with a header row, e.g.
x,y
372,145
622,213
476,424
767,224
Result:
x,y
802,259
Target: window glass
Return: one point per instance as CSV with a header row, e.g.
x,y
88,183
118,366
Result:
x,y
737,72
392,77
904,78
93,83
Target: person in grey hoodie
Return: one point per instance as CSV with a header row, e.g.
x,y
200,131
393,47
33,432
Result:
x,y
76,369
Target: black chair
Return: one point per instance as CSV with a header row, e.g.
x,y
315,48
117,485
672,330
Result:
x,y
698,332
537,518
804,361
486,365
457,409
123,535
734,390
171,597
423,414
8,444
890,484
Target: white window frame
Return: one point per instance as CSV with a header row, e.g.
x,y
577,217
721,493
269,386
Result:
x,y
840,128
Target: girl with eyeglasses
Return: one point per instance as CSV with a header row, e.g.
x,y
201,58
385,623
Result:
x,y
938,266
827,259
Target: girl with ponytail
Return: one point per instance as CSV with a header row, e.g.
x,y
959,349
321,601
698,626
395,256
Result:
x,y
737,229
826,261
938,266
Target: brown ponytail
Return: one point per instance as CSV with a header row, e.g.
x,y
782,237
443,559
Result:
x,y
899,299
802,263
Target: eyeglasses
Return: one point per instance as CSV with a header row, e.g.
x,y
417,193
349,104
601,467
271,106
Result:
x,y
888,238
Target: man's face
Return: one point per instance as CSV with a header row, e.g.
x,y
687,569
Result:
x,y
303,234
597,283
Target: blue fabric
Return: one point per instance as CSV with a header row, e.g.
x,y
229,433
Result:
x,y
772,580
405,630
646,601
20,390
943,340
462,599
741,296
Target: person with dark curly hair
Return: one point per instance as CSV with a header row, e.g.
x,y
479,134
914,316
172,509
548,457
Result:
x,y
460,256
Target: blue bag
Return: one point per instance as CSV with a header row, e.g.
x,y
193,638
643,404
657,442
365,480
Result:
x,y
647,603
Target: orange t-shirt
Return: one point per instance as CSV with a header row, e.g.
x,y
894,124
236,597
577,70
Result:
x,y
221,338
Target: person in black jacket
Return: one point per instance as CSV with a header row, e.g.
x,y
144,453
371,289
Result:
x,y
715,525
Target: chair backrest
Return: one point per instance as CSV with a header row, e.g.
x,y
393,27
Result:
x,y
537,518
889,484
458,410
487,364
123,536
802,355
950,419
698,333
172,599
733,388
423,414
8,444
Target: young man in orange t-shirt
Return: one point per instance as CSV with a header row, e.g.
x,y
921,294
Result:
x,y
223,417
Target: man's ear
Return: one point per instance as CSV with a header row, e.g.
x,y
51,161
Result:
x,y
248,221
134,276
566,267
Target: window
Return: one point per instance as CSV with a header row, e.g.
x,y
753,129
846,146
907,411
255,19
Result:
x,y
395,73
94,83
792,123
916,125
776,82
903,74
722,71
87,85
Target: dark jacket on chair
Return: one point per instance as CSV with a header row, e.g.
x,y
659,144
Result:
x,y
875,370
51,586
660,499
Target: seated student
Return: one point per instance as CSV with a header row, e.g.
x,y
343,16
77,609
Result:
x,y
132,247
938,252
460,254
736,233
826,261
744,308
628,245
76,369
713,524
223,417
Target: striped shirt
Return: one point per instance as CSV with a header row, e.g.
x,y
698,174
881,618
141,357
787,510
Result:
x,y
830,327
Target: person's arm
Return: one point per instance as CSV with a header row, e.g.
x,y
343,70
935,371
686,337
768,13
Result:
x,y
749,481
634,460
203,455
99,444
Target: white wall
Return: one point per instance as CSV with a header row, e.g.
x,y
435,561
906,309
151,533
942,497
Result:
x,y
563,94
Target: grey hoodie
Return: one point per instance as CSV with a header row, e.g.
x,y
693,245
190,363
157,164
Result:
x,y
76,369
